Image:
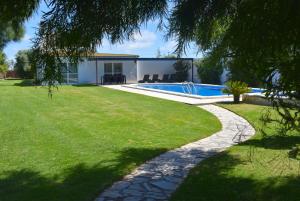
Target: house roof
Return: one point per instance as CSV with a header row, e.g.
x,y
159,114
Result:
x,y
109,55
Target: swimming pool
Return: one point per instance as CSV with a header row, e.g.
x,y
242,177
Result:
x,y
191,89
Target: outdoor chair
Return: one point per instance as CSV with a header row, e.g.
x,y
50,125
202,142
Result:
x,y
118,78
154,78
165,78
172,78
107,78
145,79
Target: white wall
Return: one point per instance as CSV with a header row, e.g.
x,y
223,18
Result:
x,y
195,74
224,76
133,69
87,70
160,67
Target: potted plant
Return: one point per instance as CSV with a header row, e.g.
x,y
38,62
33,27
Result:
x,y
236,88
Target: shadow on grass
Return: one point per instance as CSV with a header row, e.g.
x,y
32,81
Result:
x,y
274,142
25,83
85,85
209,181
80,182
213,181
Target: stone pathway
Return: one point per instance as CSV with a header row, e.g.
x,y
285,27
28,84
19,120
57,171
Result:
x,y
158,178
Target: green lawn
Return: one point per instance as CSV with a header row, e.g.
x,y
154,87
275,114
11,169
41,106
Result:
x,y
74,145
258,169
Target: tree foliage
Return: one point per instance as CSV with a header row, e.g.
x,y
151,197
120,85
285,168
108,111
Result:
x,y
3,63
24,65
209,72
75,28
13,13
236,72
262,37
170,56
181,70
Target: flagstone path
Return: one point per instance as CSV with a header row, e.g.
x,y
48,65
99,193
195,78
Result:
x,y
158,178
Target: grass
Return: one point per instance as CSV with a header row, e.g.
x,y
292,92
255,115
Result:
x,y
256,170
79,142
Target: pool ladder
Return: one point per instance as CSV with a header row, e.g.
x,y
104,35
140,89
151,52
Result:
x,y
189,88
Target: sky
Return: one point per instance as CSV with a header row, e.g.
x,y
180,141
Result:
x,y
146,43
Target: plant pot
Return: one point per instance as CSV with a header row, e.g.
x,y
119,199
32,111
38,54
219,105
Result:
x,y
236,98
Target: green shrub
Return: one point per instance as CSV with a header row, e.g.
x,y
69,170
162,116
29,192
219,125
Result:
x,y
3,64
181,70
24,64
246,75
209,72
236,88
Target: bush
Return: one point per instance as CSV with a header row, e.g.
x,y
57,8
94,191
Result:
x,y
236,88
24,64
209,73
181,70
3,64
246,75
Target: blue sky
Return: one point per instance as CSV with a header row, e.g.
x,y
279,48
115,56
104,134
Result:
x,y
146,43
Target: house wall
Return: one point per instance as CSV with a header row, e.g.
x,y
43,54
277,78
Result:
x,y
224,76
195,75
161,67
132,68
87,70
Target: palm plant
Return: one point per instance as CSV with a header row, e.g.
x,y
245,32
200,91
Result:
x,y
236,88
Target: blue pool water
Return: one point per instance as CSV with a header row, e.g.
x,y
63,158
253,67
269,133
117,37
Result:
x,y
198,89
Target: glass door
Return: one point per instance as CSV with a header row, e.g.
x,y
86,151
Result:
x,y
69,73
73,73
108,69
118,69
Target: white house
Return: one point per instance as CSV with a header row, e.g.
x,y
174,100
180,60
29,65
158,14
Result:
x,y
94,68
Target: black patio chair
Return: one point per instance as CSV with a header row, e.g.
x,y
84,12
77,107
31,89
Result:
x,y
155,78
107,78
165,78
123,79
118,78
145,79
172,78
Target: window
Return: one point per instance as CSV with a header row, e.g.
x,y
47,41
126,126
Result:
x,y
64,68
73,68
73,78
69,73
118,68
64,72
73,73
113,68
108,68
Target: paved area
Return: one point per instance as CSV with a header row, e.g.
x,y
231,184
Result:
x,y
188,100
158,178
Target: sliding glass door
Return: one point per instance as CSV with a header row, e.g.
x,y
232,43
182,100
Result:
x,y
73,73
113,68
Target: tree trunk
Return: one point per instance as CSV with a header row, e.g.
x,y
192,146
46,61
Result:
x,y
236,98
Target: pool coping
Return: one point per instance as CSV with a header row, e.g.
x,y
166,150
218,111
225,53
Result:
x,y
171,97
135,86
